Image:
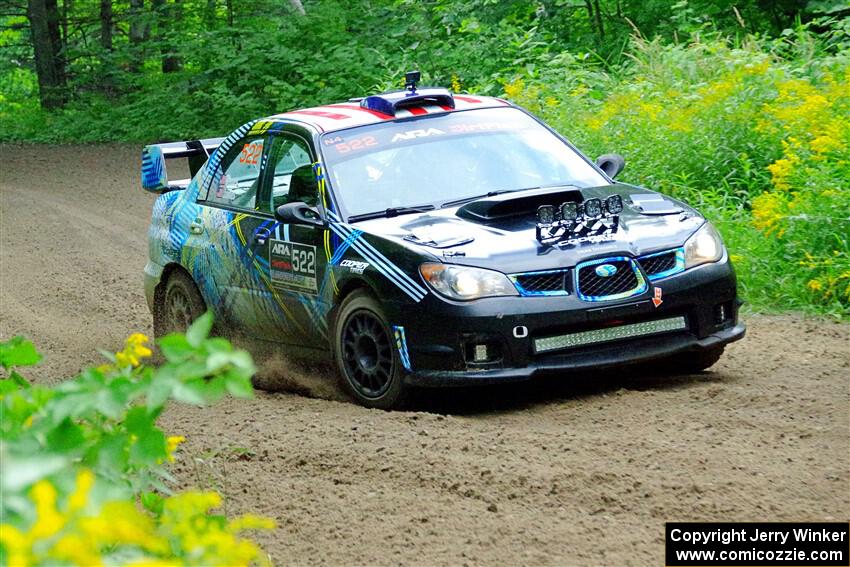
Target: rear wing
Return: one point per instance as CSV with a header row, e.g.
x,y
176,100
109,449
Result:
x,y
154,175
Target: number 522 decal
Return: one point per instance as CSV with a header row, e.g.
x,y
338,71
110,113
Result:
x,y
293,265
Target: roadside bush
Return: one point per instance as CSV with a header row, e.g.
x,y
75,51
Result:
x,y
84,467
756,135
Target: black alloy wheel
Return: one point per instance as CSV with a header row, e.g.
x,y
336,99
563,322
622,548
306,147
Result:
x,y
367,354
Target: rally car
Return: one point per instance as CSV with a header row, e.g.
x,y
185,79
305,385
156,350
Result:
x,y
421,238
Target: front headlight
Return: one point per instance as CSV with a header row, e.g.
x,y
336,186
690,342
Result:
x,y
464,283
704,246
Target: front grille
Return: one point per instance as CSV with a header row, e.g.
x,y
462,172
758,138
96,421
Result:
x,y
542,283
663,263
625,282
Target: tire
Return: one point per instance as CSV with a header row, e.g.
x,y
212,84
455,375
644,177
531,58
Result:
x,y
367,361
180,305
691,362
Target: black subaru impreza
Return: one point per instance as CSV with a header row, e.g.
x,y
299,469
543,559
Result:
x,y
423,238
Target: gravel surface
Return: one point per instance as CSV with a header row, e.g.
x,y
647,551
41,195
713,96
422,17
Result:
x,y
579,470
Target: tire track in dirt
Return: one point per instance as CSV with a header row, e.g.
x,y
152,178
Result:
x,y
578,470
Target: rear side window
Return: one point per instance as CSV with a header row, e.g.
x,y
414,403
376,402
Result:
x,y
239,182
291,171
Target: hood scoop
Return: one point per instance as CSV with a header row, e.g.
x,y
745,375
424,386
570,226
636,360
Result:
x,y
654,204
507,205
435,232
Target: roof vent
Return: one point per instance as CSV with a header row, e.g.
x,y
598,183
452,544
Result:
x,y
388,103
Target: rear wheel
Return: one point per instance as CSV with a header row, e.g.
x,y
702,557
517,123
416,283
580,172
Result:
x,y
180,305
365,355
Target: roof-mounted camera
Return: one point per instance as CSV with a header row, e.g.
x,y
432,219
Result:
x,y
410,80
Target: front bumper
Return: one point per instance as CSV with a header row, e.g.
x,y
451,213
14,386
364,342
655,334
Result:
x,y
603,356
441,335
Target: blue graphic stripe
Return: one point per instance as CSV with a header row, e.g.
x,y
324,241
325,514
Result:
x,y
313,311
219,153
402,280
401,345
152,168
355,234
383,265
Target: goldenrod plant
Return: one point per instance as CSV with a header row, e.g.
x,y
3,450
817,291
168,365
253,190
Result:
x,y
83,464
755,133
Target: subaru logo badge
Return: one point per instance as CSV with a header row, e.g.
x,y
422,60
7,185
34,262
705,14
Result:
x,y
606,270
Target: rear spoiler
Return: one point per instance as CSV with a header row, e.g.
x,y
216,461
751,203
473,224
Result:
x,y
154,175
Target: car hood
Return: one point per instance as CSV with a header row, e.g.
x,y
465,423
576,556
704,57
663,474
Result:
x,y
650,222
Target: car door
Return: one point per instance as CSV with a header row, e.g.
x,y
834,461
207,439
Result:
x,y
296,254
237,222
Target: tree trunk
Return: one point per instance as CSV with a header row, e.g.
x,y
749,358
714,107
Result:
x,y
209,15
298,6
167,19
137,35
67,8
47,47
599,19
106,24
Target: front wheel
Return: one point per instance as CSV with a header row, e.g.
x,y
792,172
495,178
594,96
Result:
x,y
365,355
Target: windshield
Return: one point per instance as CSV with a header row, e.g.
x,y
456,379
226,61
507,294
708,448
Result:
x,y
447,158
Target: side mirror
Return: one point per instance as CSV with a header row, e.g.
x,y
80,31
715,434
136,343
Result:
x,y
301,213
611,164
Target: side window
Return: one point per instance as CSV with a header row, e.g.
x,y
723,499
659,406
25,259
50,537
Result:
x,y
292,176
239,179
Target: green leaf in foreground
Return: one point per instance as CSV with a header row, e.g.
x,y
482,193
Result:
x,y
18,352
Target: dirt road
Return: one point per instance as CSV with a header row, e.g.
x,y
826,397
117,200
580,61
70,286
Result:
x,y
575,471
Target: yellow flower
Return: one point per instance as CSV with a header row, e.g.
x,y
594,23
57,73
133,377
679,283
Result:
x,y
780,170
16,544
514,88
136,343
49,521
76,550
122,359
121,523
651,109
824,144
456,86
78,499
814,285
251,522
134,349
768,211
173,442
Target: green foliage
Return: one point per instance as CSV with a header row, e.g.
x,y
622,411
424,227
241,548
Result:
x,y
687,91
76,457
754,134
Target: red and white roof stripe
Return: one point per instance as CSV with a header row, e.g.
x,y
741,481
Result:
x,y
343,115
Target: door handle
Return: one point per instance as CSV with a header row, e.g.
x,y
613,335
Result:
x,y
261,236
196,227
